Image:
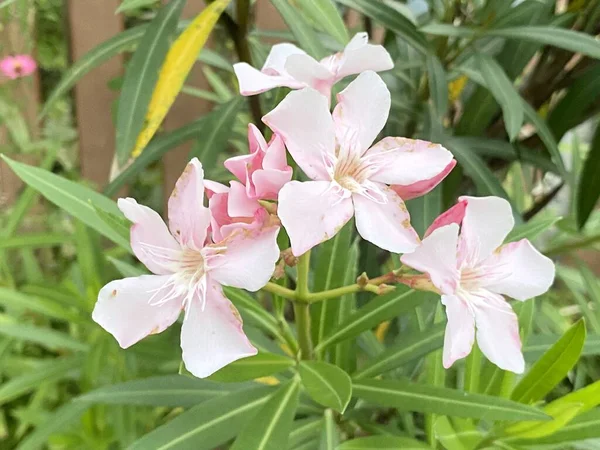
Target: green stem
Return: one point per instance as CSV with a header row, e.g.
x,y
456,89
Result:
x,y
276,289
302,307
303,268
338,292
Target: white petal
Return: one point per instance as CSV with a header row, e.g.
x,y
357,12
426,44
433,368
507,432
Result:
x,y
304,123
213,337
387,225
312,213
436,256
460,330
360,56
523,271
129,309
309,71
278,57
253,81
362,110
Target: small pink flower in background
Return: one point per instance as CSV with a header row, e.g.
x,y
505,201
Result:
x,y
189,268
289,66
351,178
17,66
473,270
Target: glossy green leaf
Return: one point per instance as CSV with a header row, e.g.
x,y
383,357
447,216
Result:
x,y
270,427
586,426
208,425
306,36
391,19
407,349
141,77
438,86
588,397
304,430
325,14
530,230
588,191
384,442
74,198
260,365
407,396
503,91
327,384
561,416
251,310
329,434
373,313
537,345
552,367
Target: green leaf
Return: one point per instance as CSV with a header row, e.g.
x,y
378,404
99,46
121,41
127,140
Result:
x,y
548,35
208,425
391,19
588,191
169,390
535,429
304,430
586,426
384,442
530,230
378,310
408,349
465,437
325,14
503,91
35,240
47,372
306,36
141,77
46,337
408,396
438,86
587,397
552,367
21,301
446,29
118,222
538,344
327,384
260,365
215,133
270,428
127,5
74,198
329,433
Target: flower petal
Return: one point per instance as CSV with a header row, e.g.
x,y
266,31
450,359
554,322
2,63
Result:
x,y
527,273
213,337
129,309
387,225
246,258
460,330
239,204
275,156
455,214
407,161
360,56
253,81
214,187
436,256
362,110
309,71
421,188
275,63
219,216
189,219
312,212
151,241
304,123
487,222
268,183
498,331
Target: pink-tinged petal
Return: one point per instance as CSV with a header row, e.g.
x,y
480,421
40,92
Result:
x,y
406,161
17,66
304,123
487,222
268,183
360,56
312,213
275,63
213,337
246,258
498,331
253,81
151,241
455,214
189,219
239,204
362,110
256,141
436,256
421,188
27,64
460,330
213,187
519,271
241,165
219,216
275,156
309,71
387,225
130,309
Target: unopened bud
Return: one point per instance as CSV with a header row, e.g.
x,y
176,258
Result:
x,y
289,258
362,280
384,289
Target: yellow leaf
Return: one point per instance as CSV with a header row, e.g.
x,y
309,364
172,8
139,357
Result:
x,y
381,330
455,87
562,414
178,63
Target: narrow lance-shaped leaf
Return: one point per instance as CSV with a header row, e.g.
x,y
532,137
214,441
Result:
x,y
586,426
384,442
261,365
327,384
326,15
588,191
176,67
329,434
141,76
438,86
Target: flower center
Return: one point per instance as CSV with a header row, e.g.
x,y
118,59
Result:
x,y
191,265
349,173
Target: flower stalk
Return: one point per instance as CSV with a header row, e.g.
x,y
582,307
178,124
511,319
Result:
x,y
302,307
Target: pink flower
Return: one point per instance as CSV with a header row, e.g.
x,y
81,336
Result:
x,y
349,178
189,270
289,66
17,66
473,272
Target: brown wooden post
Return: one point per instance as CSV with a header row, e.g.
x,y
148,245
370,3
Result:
x,y
93,22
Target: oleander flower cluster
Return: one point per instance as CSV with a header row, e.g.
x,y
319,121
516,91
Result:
x,y
219,235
